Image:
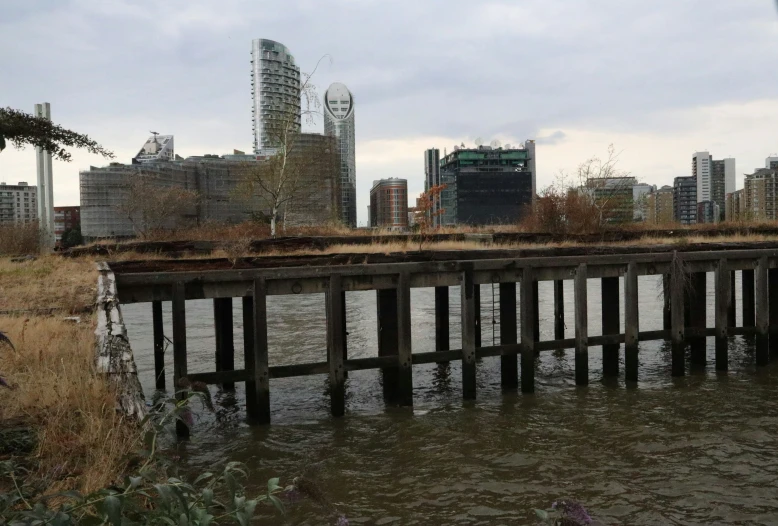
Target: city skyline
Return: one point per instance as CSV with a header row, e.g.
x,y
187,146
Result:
x,y
575,93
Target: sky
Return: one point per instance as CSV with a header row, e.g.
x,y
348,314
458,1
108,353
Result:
x,y
659,80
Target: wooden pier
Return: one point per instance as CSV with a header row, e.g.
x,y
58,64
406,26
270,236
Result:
x,y
685,326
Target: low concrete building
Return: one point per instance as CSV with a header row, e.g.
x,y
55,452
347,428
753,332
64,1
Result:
x,y
735,206
65,218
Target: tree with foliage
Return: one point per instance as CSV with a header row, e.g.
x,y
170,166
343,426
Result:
x,y
22,129
72,237
425,213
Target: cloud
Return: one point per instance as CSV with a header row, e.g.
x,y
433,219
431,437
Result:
x,y
448,70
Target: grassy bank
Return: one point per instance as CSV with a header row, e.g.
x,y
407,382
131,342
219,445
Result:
x,y
72,437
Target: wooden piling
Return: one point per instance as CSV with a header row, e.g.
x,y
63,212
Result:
x,y
179,350
247,304
698,317
528,337
477,320
559,309
677,328
159,344
344,329
666,317
747,284
442,340
261,366
732,308
610,325
509,367
772,302
386,304
722,296
469,333
536,313
225,347
631,323
336,346
405,372
581,327
761,284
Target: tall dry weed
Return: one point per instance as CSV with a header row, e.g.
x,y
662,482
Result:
x,y
81,440
19,239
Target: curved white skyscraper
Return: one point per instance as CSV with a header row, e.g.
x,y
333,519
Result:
x,y
275,88
339,122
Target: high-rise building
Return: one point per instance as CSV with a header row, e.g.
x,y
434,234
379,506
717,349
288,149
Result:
x,y
389,204
18,203
685,200
613,196
275,92
486,185
722,181
431,179
715,178
660,206
339,123
701,172
761,195
771,162
640,199
156,148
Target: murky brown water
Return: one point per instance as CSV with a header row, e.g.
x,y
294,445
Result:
x,y
702,449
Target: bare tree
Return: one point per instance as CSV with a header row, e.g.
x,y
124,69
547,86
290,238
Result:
x,y
608,187
151,207
281,178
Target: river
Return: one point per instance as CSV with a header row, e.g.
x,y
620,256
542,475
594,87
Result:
x,y
702,449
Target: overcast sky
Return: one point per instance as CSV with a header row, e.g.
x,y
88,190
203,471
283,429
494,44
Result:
x,y
660,80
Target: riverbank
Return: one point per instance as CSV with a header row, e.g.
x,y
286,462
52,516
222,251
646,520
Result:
x,y
57,419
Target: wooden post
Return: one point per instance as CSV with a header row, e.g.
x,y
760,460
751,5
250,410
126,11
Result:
x,y
247,302
747,283
677,327
386,303
698,316
528,338
762,312
477,321
159,344
581,327
509,367
179,350
344,329
441,319
631,323
610,325
666,317
772,301
732,309
405,372
261,366
335,346
225,347
536,312
722,302
559,309
469,334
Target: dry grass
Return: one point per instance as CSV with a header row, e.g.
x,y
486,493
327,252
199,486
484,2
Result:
x,y
19,239
82,443
49,282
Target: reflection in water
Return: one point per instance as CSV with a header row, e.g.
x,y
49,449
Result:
x,y
695,450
